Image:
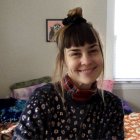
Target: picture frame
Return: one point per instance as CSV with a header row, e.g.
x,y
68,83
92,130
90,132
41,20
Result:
x,y
52,26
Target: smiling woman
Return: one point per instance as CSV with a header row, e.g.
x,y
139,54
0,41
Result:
x,y
73,107
84,64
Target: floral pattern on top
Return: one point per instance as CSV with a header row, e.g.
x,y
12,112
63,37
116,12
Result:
x,y
48,116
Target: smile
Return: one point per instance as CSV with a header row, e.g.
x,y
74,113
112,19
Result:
x,y
87,70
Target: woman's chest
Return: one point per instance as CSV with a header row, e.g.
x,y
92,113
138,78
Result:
x,y
71,122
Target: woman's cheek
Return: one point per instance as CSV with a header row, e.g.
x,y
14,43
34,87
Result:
x,y
70,65
100,60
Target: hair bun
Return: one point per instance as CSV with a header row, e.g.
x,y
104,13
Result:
x,y
75,19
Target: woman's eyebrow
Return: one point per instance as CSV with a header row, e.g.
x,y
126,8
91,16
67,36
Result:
x,y
93,45
74,50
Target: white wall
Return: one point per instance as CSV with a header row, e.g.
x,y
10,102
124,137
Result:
x,y
130,92
24,52
109,53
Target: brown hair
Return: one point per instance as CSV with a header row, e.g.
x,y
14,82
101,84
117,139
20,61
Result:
x,y
73,33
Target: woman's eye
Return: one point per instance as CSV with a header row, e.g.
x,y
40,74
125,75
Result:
x,y
75,54
93,51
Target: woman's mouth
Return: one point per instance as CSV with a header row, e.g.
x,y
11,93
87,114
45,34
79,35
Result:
x,y
87,71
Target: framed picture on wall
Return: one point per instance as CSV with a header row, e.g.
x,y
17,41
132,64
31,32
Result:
x,y
52,26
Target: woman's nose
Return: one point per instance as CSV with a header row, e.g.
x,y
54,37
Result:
x,y
85,59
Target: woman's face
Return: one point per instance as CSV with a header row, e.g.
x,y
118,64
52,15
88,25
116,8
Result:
x,y
84,64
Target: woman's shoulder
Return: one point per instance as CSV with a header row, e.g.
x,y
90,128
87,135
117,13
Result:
x,y
113,103
45,91
110,95
111,98
46,88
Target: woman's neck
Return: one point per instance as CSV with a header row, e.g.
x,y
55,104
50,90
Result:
x,y
81,86
79,94
84,86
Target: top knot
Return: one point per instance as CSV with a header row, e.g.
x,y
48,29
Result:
x,y
73,20
75,11
74,17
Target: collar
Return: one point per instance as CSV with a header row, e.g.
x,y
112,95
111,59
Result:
x,y
76,93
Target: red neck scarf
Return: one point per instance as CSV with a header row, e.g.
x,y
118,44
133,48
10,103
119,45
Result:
x,y
76,93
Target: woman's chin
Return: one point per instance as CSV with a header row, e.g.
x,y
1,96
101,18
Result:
x,y
86,83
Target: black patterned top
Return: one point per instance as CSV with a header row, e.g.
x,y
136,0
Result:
x,y
48,116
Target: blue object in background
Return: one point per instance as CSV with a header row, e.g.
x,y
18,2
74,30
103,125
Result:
x,y
126,107
12,113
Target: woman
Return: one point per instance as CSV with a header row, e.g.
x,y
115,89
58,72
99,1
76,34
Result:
x,y
73,107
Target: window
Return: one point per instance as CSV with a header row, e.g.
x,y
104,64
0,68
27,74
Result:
x,y
127,40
